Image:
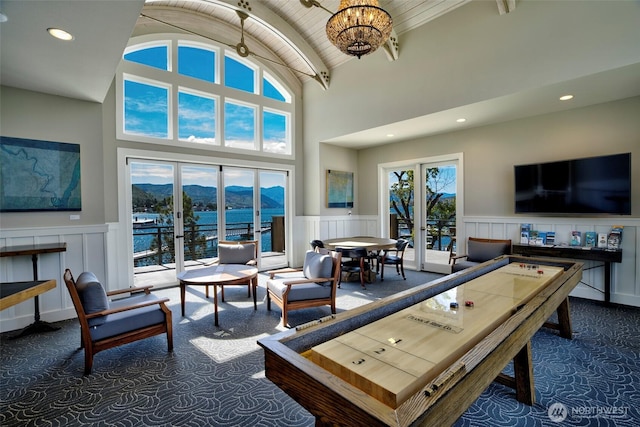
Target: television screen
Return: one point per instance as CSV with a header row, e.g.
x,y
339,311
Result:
x,y
594,185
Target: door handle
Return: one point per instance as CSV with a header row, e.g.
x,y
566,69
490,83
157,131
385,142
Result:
x,y
179,237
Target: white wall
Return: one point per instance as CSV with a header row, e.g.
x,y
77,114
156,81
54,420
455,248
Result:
x,y
32,115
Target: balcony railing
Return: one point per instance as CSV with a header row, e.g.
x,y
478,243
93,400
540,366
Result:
x,y
439,231
200,241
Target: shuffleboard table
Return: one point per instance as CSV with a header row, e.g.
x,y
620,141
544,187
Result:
x,y
423,356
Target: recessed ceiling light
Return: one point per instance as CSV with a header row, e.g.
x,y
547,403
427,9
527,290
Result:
x,y
60,34
390,135
566,97
461,120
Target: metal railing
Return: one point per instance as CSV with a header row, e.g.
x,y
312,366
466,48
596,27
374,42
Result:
x,y
200,241
439,231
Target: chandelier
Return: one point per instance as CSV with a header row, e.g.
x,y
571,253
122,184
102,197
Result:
x,y
359,27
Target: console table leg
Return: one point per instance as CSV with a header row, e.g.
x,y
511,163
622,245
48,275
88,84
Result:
x,y
38,325
607,282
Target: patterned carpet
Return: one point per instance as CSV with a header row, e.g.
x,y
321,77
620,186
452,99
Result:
x,y
215,377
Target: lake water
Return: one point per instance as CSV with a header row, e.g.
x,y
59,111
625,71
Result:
x,y
207,221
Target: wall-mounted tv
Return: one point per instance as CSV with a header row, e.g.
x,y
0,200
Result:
x,y
594,185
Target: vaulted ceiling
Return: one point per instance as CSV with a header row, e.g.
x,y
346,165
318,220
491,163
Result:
x,y
284,32
288,32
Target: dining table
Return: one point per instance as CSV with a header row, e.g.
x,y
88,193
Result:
x,y
369,243
373,246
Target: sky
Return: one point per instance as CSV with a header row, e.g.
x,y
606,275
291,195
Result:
x,y
447,175
156,173
147,108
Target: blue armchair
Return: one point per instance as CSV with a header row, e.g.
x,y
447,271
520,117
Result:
x,y
311,286
108,323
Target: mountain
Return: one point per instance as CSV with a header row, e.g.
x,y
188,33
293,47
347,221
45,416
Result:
x,y
237,197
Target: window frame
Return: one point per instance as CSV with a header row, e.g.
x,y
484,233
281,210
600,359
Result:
x,y
136,71
148,82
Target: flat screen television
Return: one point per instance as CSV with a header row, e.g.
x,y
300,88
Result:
x,y
594,185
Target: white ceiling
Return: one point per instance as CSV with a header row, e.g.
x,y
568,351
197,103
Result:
x,y
84,68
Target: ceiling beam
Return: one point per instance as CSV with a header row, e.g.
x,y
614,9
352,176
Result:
x,y
391,46
506,6
289,36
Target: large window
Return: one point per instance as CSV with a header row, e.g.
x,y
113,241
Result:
x,y
187,92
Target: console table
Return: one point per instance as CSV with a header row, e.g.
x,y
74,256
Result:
x,y
606,256
34,251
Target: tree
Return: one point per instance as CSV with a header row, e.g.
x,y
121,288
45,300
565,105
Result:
x,y
401,193
402,196
194,241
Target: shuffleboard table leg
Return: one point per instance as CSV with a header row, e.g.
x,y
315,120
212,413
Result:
x,y
523,372
564,320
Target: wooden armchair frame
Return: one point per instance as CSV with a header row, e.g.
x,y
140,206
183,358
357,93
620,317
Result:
x,y
92,347
287,306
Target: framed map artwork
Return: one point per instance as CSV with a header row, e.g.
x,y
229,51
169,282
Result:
x,y
39,175
339,189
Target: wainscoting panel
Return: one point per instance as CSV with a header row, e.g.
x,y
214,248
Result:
x,y
347,225
625,287
102,249
625,284
85,251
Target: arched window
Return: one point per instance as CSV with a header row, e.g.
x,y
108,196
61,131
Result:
x,y
182,91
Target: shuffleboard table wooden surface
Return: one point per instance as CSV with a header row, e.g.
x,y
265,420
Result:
x,y
422,356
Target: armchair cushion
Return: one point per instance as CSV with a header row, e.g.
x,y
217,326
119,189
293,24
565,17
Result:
x,y
484,251
236,254
317,265
92,296
300,291
129,320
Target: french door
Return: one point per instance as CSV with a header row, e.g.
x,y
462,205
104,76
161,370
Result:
x,y
439,214
422,204
180,211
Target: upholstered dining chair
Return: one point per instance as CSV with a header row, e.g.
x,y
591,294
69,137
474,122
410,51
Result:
x,y
315,244
393,257
106,323
313,285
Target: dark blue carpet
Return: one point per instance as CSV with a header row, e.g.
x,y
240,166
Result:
x,y
215,376
592,380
